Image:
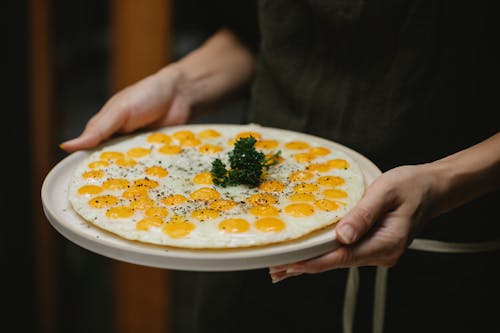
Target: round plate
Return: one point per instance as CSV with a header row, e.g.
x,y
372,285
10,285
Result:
x,y
66,221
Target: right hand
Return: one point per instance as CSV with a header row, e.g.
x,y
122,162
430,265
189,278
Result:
x,y
157,100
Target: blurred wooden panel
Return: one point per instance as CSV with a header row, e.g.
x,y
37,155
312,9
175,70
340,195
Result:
x,y
141,36
43,155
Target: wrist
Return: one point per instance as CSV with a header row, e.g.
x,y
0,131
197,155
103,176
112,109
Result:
x,y
212,72
441,177
175,77
467,174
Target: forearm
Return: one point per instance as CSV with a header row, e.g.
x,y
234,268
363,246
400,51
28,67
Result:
x,y
467,174
216,69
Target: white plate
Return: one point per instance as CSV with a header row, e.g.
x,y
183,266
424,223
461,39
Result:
x,y
67,222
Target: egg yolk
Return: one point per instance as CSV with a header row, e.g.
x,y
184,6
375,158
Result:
x,y
150,221
173,200
331,180
141,202
190,142
138,152
276,159
205,214
319,167
103,201
182,135
134,191
269,224
266,144
334,193
327,205
302,197
111,155
156,211
120,212
300,175
264,211
299,210
222,205
261,199
89,189
205,193
93,174
319,151
338,164
297,145
98,164
208,134
169,149
209,149
305,188
235,225
203,178
145,182
272,186
125,162
178,228
156,171
304,157
115,184
248,134
159,138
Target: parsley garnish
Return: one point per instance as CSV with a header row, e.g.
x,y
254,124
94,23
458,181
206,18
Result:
x,y
246,165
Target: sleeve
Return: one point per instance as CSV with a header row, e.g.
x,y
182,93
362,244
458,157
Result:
x,y
239,16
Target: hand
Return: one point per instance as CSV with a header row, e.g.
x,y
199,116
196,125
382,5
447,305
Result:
x,y
207,75
380,227
158,100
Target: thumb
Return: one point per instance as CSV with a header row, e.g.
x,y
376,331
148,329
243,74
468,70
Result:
x,y
84,141
99,128
361,218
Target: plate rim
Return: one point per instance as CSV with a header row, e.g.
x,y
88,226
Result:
x,y
179,258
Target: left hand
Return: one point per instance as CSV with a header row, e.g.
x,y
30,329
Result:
x,y
380,227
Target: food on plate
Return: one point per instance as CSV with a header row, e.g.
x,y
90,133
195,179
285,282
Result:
x,y
215,186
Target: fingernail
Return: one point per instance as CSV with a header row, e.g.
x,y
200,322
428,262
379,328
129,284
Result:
x,y
347,233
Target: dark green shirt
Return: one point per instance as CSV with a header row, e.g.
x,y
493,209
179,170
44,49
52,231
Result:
x,y
402,82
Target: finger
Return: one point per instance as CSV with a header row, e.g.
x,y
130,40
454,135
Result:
x,y
342,257
383,247
79,143
376,202
99,128
278,268
280,276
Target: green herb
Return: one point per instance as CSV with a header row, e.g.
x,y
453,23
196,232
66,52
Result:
x,y
246,165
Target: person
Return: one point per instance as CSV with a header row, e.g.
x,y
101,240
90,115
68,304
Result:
x,y
406,83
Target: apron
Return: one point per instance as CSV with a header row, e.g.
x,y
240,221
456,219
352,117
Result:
x,y
402,82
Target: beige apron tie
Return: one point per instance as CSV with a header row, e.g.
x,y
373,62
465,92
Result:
x,y
352,283
350,298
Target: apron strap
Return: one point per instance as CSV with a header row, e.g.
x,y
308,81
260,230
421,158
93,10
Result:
x,y
350,298
429,245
